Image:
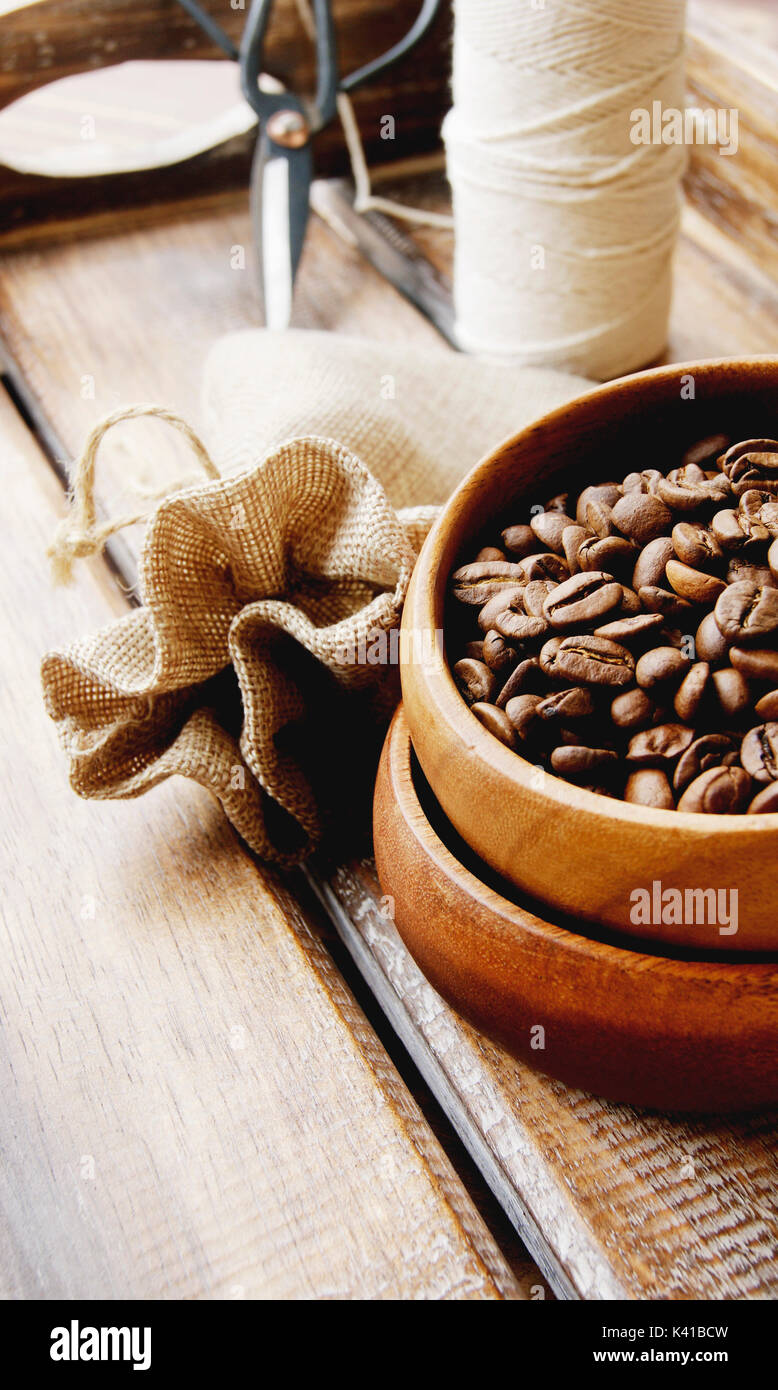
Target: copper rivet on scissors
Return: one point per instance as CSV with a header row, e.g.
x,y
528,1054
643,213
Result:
x,y
287,128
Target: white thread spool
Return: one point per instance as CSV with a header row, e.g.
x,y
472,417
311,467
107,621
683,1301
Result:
x,y
564,228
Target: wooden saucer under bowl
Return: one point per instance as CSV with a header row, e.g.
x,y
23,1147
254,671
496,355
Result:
x,y
671,1033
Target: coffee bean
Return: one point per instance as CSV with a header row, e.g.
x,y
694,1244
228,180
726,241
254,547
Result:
x,y
709,642
631,709
572,538
497,653
765,800
740,568
658,600
693,584
599,517
521,711
549,654
759,752
641,516
474,679
632,483
489,552
648,786
547,565
630,603
660,665
728,530
593,661
630,629
581,599
497,722
661,744
745,612
691,691
573,703
732,690
475,584
536,594
706,450
720,791
475,650
578,761
519,541
549,527
516,625
609,493
767,706
772,559
709,751
746,446
756,663
687,496
558,503
521,679
613,553
514,594
696,544
650,564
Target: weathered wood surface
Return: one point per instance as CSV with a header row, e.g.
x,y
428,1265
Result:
x,y
54,39
611,1201
192,1105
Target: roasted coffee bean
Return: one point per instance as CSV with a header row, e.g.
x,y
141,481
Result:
x,y
744,448
630,603
519,541
632,483
706,450
558,503
516,625
732,691
657,600
475,680
599,517
767,706
696,545
593,661
745,612
728,529
709,751
632,709
475,584
772,559
489,552
497,722
573,703
548,656
497,653
579,761
631,629
710,645
721,791
739,569
693,584
650,565
613,553
768,515
661,744
759,752
691,691
475,650
514,594
765,800
521,710
756,663
648,786
572,539
526,675
548,527
609,493
536,594
689,496
582,599
641,516
547,565
660,665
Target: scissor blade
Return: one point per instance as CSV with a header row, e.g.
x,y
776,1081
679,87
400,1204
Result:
x,y
280,184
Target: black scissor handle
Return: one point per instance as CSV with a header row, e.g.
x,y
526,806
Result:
x,y
416,32
250,58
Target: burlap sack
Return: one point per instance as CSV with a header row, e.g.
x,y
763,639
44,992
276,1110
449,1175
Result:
x,y
249,666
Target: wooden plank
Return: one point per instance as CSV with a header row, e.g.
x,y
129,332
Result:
x,y
611,1201
192,1103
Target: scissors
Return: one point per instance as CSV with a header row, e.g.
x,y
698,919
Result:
x,y
282,167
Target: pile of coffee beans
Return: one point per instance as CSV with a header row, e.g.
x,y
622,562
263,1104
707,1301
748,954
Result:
x,y
627,639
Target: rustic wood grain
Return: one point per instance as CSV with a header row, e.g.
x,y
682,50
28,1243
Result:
x,y
193,1106
612,1201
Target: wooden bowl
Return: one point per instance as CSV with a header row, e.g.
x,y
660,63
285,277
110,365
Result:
x,y
674,1034
569,847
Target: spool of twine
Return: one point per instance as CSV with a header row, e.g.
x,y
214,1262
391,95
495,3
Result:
x,y
565,229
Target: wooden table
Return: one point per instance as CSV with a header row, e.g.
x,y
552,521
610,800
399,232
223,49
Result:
x,y
205,1089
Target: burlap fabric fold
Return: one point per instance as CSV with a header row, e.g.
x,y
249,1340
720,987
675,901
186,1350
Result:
x,y
255,664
